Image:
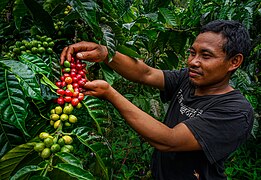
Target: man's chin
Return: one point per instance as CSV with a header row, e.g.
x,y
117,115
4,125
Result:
x,y
193,82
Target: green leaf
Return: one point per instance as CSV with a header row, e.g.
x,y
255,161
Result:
x,y
169,17
11,160
48,82
108,37
241,80
108,73
70,159
13,104
74,171
25,170
84,136
87,10
177,41
3,4
35,63
19,12
96,109
172,59
26,78
36,177
41,18
117,30
9,136
128,51
253,100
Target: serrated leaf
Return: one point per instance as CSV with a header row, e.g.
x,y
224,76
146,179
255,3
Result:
x,y
25,170
13,104
26,78
12,158
70,159
75,171
35,63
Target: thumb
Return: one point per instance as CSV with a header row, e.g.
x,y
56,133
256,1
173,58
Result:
x,y
80,55
88,55
88,85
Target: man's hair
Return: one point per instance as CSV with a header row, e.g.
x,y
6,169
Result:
x,y
236,35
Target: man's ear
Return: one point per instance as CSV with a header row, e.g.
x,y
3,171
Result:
x,y
236,61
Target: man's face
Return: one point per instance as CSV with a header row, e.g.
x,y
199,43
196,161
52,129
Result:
x,y
206,62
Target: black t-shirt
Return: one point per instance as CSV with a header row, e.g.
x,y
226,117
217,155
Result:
x,y
220,123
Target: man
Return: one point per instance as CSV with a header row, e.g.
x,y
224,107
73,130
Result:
x,y
207,119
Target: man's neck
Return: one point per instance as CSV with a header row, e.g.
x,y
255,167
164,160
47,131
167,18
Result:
x,y
215,90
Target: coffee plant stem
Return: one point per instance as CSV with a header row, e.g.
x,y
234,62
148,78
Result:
x,y
47,166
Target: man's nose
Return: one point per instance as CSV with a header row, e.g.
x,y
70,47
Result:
x,y
194,61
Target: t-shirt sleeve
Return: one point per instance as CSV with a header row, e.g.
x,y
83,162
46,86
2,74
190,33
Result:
x,y
172,81
220,131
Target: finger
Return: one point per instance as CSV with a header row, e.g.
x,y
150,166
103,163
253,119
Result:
x,y
88,93
63,55
92,56
78,47
88,86
70,51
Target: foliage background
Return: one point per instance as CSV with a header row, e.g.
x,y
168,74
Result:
x,y
157,31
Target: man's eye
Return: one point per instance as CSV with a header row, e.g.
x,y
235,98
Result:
x,y
206,56
190,52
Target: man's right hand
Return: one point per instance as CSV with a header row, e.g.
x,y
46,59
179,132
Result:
x,y
88,51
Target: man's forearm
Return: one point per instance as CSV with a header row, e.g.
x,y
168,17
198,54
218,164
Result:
x,y
151,129
128,67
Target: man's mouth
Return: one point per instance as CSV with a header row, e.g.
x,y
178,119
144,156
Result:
x,y
193,73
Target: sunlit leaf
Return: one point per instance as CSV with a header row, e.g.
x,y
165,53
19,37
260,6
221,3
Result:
x,y
25,170
75,171
13,103
26,78
11,160
70,159
108,37
35,63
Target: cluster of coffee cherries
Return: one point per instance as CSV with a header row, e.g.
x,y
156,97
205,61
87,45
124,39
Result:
x,y
71,82
49,144
70,91
63,115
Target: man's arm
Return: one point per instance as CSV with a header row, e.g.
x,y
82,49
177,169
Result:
x,y
136,71
129,68
179,138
